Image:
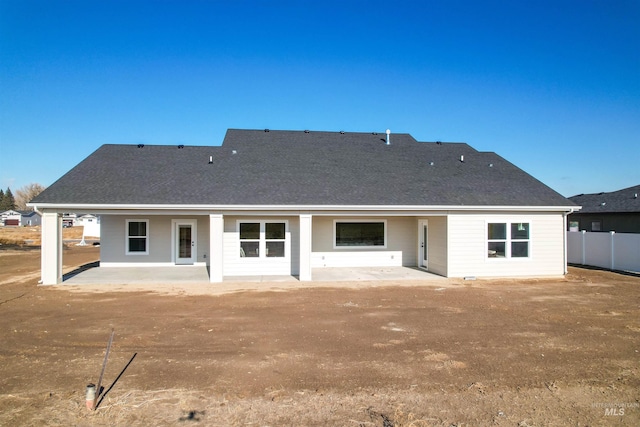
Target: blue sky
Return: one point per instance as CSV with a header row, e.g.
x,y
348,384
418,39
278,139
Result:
x,y
552,86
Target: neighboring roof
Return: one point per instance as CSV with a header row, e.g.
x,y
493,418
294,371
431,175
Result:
x,y
296,168
625,200
28,213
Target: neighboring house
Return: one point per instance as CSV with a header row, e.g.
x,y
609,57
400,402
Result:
x,y
69,219
288,202
91,224
617,211
11,218
29,218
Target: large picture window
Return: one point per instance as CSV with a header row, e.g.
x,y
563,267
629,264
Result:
x,y
262,239
360,234
508,240
137,240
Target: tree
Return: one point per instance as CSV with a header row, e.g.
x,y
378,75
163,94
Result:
x,y
25,194
7,202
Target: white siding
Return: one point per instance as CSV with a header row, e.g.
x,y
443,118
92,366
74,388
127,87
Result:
x,y
402,245
234,265
113,239
437,245
468,246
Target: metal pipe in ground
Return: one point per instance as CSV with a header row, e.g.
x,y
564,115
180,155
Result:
x,y
91,396
104,365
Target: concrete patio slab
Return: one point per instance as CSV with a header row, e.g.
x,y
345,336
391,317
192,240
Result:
x,y
94,274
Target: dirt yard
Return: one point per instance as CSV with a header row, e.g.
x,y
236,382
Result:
x,y
472,353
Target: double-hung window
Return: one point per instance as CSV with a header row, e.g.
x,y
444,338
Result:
x,y
274,235
262,239
137,240
508,240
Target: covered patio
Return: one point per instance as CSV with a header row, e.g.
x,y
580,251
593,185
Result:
x,y
93,274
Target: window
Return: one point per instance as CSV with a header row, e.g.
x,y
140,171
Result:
x,y
137,237
497,235
508,240
250,239
520,240
262,239
596,225
275,237
361,234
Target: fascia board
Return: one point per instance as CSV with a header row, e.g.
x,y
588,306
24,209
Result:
x,y
94,208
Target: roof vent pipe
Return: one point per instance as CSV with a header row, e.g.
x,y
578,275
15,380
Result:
x,y
388,132
210,159
462,159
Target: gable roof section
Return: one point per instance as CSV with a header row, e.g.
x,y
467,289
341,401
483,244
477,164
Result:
x,y
295,168
621,201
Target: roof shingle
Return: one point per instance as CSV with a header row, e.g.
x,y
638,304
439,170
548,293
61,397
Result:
x,y
295,168
625,200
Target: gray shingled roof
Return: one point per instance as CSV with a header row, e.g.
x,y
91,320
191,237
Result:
x,y
625,200
254,167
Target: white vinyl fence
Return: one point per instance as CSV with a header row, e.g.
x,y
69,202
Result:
x,y
615,251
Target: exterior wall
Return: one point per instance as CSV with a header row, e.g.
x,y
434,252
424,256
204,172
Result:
x,y
91,225
113,243
468,246
437,245
11,217
234,265
402,245
618,222
31,220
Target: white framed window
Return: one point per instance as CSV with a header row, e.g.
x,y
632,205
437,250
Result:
x,y
359,234
137,237
508,239
497,240
263,239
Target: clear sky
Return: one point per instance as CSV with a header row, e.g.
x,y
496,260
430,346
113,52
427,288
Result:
x,y
552,86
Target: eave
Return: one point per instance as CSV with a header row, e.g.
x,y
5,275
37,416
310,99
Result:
x,y
275,209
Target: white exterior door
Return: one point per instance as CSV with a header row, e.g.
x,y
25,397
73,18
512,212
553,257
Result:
x,y
184,239
423,244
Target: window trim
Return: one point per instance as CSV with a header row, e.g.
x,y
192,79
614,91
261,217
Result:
x,y
508,240
127,237
359,221
262,240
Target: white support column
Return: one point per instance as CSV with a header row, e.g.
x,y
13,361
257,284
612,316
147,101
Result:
x,y
305,247
51,249
216,245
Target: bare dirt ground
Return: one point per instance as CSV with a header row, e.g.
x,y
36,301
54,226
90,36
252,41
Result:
x,y
475,353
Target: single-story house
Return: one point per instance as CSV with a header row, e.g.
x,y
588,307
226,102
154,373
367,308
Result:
x,y
617,211
91,224
69,219
11,218
29,218
288,202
